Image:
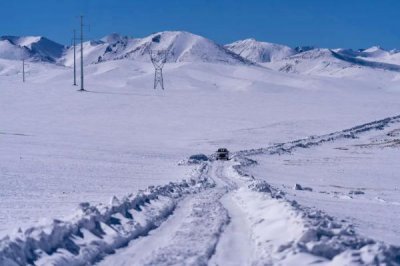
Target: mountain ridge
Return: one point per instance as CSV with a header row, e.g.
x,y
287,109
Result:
x,y
260,52
37,48
184,46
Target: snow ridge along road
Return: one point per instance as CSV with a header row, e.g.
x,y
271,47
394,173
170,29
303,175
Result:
x,y
222,216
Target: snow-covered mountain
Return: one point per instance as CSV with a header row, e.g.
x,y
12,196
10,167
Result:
x,y
8,50
181,47
320,61
187,47
327,62
314,61
260,51
374,53
36,48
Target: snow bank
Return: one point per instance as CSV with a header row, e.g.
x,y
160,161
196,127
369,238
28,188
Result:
x,y
98,230
312,232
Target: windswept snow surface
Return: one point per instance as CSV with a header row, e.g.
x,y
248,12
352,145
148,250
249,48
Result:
x,y
61,147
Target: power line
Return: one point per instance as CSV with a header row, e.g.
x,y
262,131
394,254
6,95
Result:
x,y
158,58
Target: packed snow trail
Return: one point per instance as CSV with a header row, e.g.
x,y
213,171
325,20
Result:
x,y
243,221
236,238
207,227
189,236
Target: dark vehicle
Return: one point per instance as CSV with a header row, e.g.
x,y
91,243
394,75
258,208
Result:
x,y
222,154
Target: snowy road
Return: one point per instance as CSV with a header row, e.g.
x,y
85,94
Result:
x,y
242,221
222,216
231,223
192,233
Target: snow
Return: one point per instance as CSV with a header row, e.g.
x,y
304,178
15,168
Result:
x,y
61,147
68,146
236,238
36,48
9,51
27,41
96,231
373,54
260,52
352,179
181,47
113,38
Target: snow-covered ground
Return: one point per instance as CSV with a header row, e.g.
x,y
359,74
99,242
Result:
x,y
353,179
60,147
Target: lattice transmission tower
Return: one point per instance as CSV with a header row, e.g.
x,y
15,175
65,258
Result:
x,y
158,58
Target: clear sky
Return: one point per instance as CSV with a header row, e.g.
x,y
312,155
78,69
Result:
x,y
322,23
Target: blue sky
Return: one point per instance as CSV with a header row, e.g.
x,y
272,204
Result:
x,y
322,23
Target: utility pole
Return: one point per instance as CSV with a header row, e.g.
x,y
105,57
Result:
x,y
82,78
74,40
23,70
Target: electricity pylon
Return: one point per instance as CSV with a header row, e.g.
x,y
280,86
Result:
x,y
158,58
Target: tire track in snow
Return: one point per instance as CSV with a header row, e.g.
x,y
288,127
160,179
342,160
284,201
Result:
x,y
235,245
195,240
188,237
191,234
